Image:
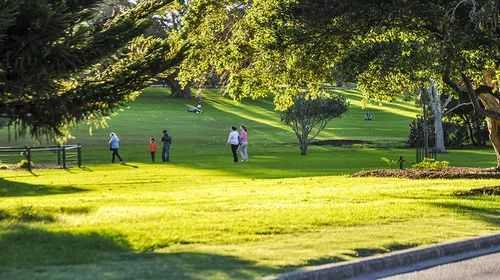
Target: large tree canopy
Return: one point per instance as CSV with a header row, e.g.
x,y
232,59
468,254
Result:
x,y
254,44
389,48
64,61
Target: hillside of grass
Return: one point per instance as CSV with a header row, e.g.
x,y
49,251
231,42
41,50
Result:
x,y
155,111
204,217
199,140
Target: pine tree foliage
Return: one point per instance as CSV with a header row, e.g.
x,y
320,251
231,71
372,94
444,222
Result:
x,y
62,63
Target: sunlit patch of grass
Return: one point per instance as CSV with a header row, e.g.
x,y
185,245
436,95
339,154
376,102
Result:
x,y
258,114
397,107
277,224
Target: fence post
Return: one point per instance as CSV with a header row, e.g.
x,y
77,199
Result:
x,y
64,156
79,155
59,155
28,158
401,163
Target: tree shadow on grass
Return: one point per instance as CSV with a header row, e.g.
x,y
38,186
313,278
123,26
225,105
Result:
x,y
29,252
25,215
24,244
387,248
29,214
479,192
322,260
489,215
15,189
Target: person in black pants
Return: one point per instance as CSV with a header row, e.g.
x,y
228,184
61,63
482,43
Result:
x,y
167,141
116,154
234,140
234,149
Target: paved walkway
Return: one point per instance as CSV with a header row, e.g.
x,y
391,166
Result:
x,y
481,268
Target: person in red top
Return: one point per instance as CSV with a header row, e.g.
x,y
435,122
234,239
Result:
x,y
152,148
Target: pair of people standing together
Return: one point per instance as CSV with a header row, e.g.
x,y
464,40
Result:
x,y
239,143
166,139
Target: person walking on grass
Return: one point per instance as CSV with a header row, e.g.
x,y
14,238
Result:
x,y
167,141
243,143
152,148
234,140
114,146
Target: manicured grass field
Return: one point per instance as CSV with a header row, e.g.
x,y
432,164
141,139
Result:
x,y
204,217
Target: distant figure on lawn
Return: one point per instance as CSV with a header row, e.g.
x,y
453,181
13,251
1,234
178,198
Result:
x,y
243,143
369,116
167,141
195,109
234,140
153,148
114,146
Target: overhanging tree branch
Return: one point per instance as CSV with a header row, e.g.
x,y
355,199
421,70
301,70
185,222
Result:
x,y
447,112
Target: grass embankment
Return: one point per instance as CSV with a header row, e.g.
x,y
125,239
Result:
x,y
204,217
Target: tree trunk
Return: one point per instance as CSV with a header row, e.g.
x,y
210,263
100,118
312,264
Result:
x,y
470,131
477,132
303,146
492,103
494,128
437,112
176,89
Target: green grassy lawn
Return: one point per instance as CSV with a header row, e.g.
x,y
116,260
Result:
x,y
204,217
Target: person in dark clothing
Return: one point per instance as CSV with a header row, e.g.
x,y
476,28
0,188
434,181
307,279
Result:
x,y
234,150
234,140
167,141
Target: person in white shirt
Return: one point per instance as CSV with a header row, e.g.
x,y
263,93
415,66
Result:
x,y
234,140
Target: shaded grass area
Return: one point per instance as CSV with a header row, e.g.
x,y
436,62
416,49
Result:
x,y
15,189
495,190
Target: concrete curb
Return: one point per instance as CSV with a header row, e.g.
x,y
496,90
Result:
x,y
391,261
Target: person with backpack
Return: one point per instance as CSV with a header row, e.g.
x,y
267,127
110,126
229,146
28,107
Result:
x,y
167,141
234,140
114,146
